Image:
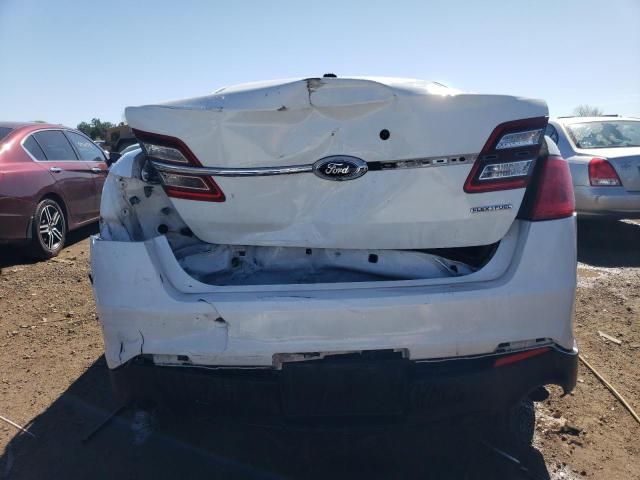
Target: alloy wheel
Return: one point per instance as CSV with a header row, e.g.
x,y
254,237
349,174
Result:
x,y
51,227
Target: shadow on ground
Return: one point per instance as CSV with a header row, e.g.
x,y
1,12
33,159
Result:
x,y
195,444
608,243
11,256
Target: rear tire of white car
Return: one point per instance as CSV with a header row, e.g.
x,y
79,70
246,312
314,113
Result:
x,y
517,426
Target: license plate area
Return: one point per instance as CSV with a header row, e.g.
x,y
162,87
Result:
x,y
329,389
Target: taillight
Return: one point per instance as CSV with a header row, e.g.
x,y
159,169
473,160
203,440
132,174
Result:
x,y
551,195
172,150
507,159
518,357
602,174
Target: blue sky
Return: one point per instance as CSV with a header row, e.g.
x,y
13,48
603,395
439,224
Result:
x,y
66,61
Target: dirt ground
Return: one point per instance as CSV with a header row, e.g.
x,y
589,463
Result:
x,y
53,380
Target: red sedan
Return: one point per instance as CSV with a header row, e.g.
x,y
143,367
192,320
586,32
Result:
x,y
51,180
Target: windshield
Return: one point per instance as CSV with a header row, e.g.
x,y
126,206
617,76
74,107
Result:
x,y
4,131
605,134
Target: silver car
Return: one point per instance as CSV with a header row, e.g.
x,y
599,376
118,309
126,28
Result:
x,y
604,157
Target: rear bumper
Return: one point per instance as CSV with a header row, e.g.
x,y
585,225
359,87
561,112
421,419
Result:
x,y
609,201
148,305
14,221
427,390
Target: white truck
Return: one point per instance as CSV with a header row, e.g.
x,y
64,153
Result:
x,y
338,247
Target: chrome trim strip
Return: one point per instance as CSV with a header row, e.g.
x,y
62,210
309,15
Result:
x,y
231,172
461,159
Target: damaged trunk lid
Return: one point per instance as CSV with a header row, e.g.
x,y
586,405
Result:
x,y
344,163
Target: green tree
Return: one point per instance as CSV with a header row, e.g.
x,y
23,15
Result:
x,y
585,110
95,128
85,128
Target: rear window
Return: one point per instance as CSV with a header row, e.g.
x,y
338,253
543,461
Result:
x,y
33,148
605,134
55,145
4,131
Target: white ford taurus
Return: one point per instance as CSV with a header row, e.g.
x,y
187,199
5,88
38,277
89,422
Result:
x,y
336,247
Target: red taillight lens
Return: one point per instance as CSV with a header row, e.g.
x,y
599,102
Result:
x,y
507,159
553,195
518,357
177,185
602,174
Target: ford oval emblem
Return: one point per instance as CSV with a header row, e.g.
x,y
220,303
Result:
x,y
340,168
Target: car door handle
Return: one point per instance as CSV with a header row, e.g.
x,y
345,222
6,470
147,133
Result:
x,y
55,169
96,169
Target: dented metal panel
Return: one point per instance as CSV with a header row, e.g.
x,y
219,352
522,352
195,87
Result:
x,y
144,306
252,138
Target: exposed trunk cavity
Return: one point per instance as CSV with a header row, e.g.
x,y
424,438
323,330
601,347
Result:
x,y
135,208
249,265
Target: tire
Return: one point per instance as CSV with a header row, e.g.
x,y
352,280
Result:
x,y
517,426
49,230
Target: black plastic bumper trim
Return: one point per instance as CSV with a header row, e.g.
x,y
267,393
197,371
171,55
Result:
x,y
355,387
